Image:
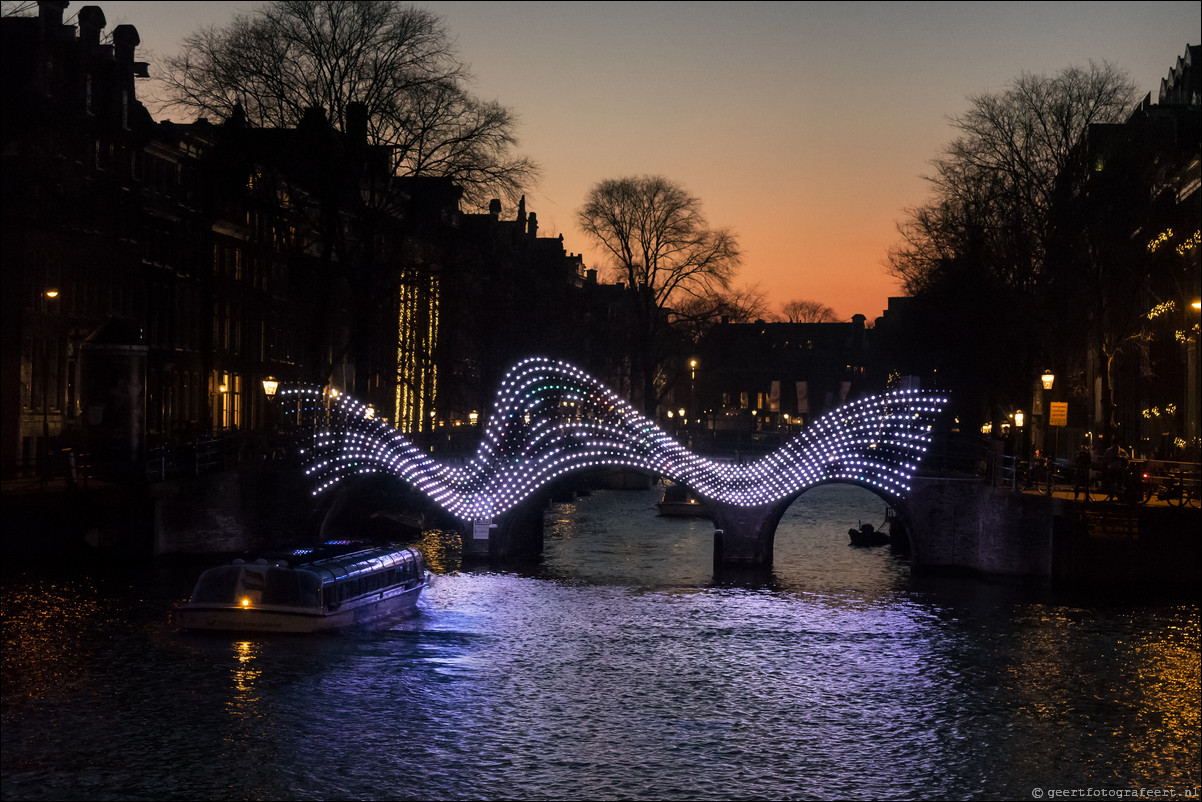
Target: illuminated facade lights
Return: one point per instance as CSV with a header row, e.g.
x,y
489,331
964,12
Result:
x,y
1161,309
551,418
1159,240
1192,242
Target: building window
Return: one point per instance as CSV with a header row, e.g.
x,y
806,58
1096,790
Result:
x,y
227,400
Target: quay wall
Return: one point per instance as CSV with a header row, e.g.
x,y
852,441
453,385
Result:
x,y
256,506
969,526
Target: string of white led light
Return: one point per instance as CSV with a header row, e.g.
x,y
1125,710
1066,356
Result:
x,y
552,418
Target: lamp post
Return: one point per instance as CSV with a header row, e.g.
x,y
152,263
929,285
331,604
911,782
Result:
x,y
44,447
1048,380
222,390
270,386
1191,377
692,388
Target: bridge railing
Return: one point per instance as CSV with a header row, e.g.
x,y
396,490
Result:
x,y
959,455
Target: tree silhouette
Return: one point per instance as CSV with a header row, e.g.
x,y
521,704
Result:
x,y
397,61
808,312
663,248
998,200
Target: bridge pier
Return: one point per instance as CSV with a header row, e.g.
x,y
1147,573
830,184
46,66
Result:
x,y
744,536
516,534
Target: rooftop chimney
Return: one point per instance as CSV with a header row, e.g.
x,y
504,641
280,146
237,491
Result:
x,y
356,123
91,23
51,12
125,40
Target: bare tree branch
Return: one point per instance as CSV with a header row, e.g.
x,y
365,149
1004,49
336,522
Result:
x,y
662,246
808,312
398,61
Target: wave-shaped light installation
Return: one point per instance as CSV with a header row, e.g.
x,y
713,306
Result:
x,y
552,418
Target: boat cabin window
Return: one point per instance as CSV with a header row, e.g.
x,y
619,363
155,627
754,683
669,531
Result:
x,y
217,585
276,586
290,588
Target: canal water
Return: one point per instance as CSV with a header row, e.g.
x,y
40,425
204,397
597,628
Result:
x,y
620,667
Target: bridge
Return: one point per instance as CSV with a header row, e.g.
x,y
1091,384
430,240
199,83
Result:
x,y
551,419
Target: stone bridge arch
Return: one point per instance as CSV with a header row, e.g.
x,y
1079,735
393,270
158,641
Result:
x,y
746,536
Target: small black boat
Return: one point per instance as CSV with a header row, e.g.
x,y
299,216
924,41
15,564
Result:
x,y
867,535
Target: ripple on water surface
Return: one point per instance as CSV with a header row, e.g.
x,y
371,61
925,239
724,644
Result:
x,y
619,668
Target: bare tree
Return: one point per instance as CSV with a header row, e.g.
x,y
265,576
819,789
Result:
x,y
985,239
808,312
995,186
664,249
695,316
397,61
18,9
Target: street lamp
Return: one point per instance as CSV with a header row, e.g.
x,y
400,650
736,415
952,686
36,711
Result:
x,y
693,388
270,385
1048,378
222,400
44,447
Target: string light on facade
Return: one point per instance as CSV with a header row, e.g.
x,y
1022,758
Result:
x,y
551,418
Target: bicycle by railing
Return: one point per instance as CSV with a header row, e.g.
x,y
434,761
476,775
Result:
x,y
1176,483
1042,475
1129,482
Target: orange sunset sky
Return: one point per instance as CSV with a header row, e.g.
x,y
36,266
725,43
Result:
x,y
805,127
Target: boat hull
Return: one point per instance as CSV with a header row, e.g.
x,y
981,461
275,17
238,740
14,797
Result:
x,y
384,606
683,509
866,537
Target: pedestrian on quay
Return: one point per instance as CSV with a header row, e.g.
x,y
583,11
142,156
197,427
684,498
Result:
x,y
1083,463
1114,466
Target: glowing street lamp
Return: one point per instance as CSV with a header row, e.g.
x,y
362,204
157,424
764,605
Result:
x,y
270,385
44,445
1048,378
693,387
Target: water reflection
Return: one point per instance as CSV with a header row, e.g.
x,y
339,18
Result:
x,y
619,667
243,679
50,631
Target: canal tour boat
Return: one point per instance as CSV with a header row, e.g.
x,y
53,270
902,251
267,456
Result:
x,y
339,584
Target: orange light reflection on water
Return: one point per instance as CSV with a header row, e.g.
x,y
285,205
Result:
x,y
49,630
1055,657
